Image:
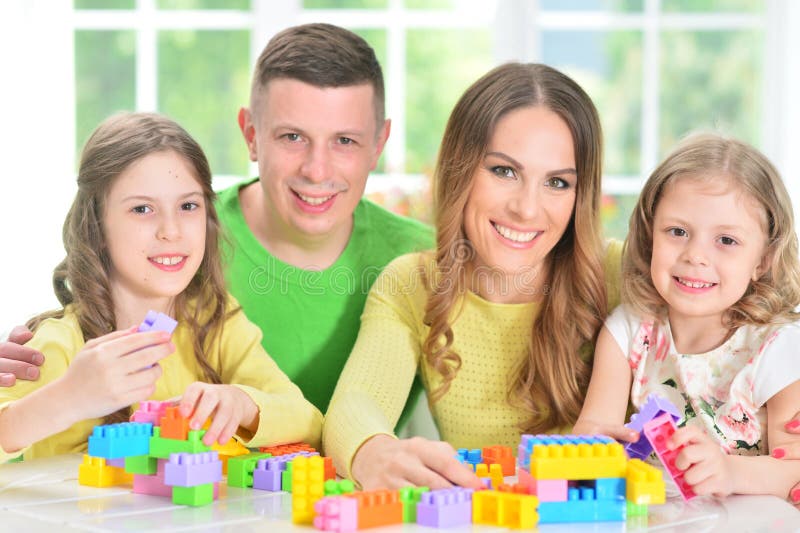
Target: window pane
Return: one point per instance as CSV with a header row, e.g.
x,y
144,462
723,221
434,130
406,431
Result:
x,y
746,6
440,66
430,4
203,80
345,4
203,4
591,5
710,80
615,211
608,65
105,72
105,4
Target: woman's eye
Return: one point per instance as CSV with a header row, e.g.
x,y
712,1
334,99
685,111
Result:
x,y
503,172
557,183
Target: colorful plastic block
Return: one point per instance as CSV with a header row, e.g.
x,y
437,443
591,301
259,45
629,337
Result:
x,y
189,470
286,475
308,480
577,457
547,490
344,486
153,484
494,472
644,483
95,472
470,457
163,448
157,322
336,513
268,475
151,411
141,464
409,497
118,462
378,508
194,496
582,506
658,431
504,509
607,488
240,469
120,440
653,406
287,449
502,455
174,425
232,448
445,507
636,510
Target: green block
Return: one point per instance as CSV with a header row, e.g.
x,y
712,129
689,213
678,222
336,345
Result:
x,y
194,496
286,478
141,464
336,488
410,497
241,467
162,448
634,509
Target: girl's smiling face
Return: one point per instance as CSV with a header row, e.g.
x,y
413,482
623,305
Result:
x,y
154,223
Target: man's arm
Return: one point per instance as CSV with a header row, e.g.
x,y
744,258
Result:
x,y
18,361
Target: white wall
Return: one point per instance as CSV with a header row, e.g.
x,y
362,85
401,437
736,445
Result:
x,y
36,150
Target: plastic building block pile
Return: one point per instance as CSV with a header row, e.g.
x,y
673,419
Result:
x,y
558,478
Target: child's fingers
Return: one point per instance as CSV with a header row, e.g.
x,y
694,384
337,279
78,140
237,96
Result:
x,y
215,429
146,357
209,400
689,456
787,451
109,337
144,378
228,431
698,472
191,396
686,435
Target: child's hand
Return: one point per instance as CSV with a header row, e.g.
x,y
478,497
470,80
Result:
x,y
617,432
708,469
114,371
229,406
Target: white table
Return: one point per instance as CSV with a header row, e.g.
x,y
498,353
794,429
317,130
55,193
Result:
x,y
44,496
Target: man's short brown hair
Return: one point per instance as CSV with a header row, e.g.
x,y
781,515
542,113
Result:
x,y
321,55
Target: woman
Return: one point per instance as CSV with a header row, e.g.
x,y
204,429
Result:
x,y
500,320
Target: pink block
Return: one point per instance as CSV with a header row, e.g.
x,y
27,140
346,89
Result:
x,y
151,411
658,431
336,513
152,485
547,490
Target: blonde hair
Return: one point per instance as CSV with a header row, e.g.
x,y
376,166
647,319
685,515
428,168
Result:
x,y
82,278
774,295
551,382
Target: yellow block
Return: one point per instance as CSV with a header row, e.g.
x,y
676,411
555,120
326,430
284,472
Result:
x,y
644,483
576,462
94,472
504,509
308,482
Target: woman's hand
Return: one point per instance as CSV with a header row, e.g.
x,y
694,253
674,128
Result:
x,y
228,406
115,371
384,462
621,433
708,469
18,361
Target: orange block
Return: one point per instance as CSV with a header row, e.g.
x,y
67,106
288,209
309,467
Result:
x,y
286,449
173,425
330,470
501,455
378,508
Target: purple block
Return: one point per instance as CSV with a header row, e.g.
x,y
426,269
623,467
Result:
x,y
157,321
192,469
267,475
653,407
118,462
445,507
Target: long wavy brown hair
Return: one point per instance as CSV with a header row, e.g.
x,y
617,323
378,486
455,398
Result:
x,y
551,382
773,297
82,278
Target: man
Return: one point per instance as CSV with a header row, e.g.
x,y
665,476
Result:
x,y
304,246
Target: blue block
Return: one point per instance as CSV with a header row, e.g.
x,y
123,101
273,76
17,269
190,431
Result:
x,y
582,511
608,488
120,440
472,457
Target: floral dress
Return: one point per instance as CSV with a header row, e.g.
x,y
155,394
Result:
x,y
724,390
